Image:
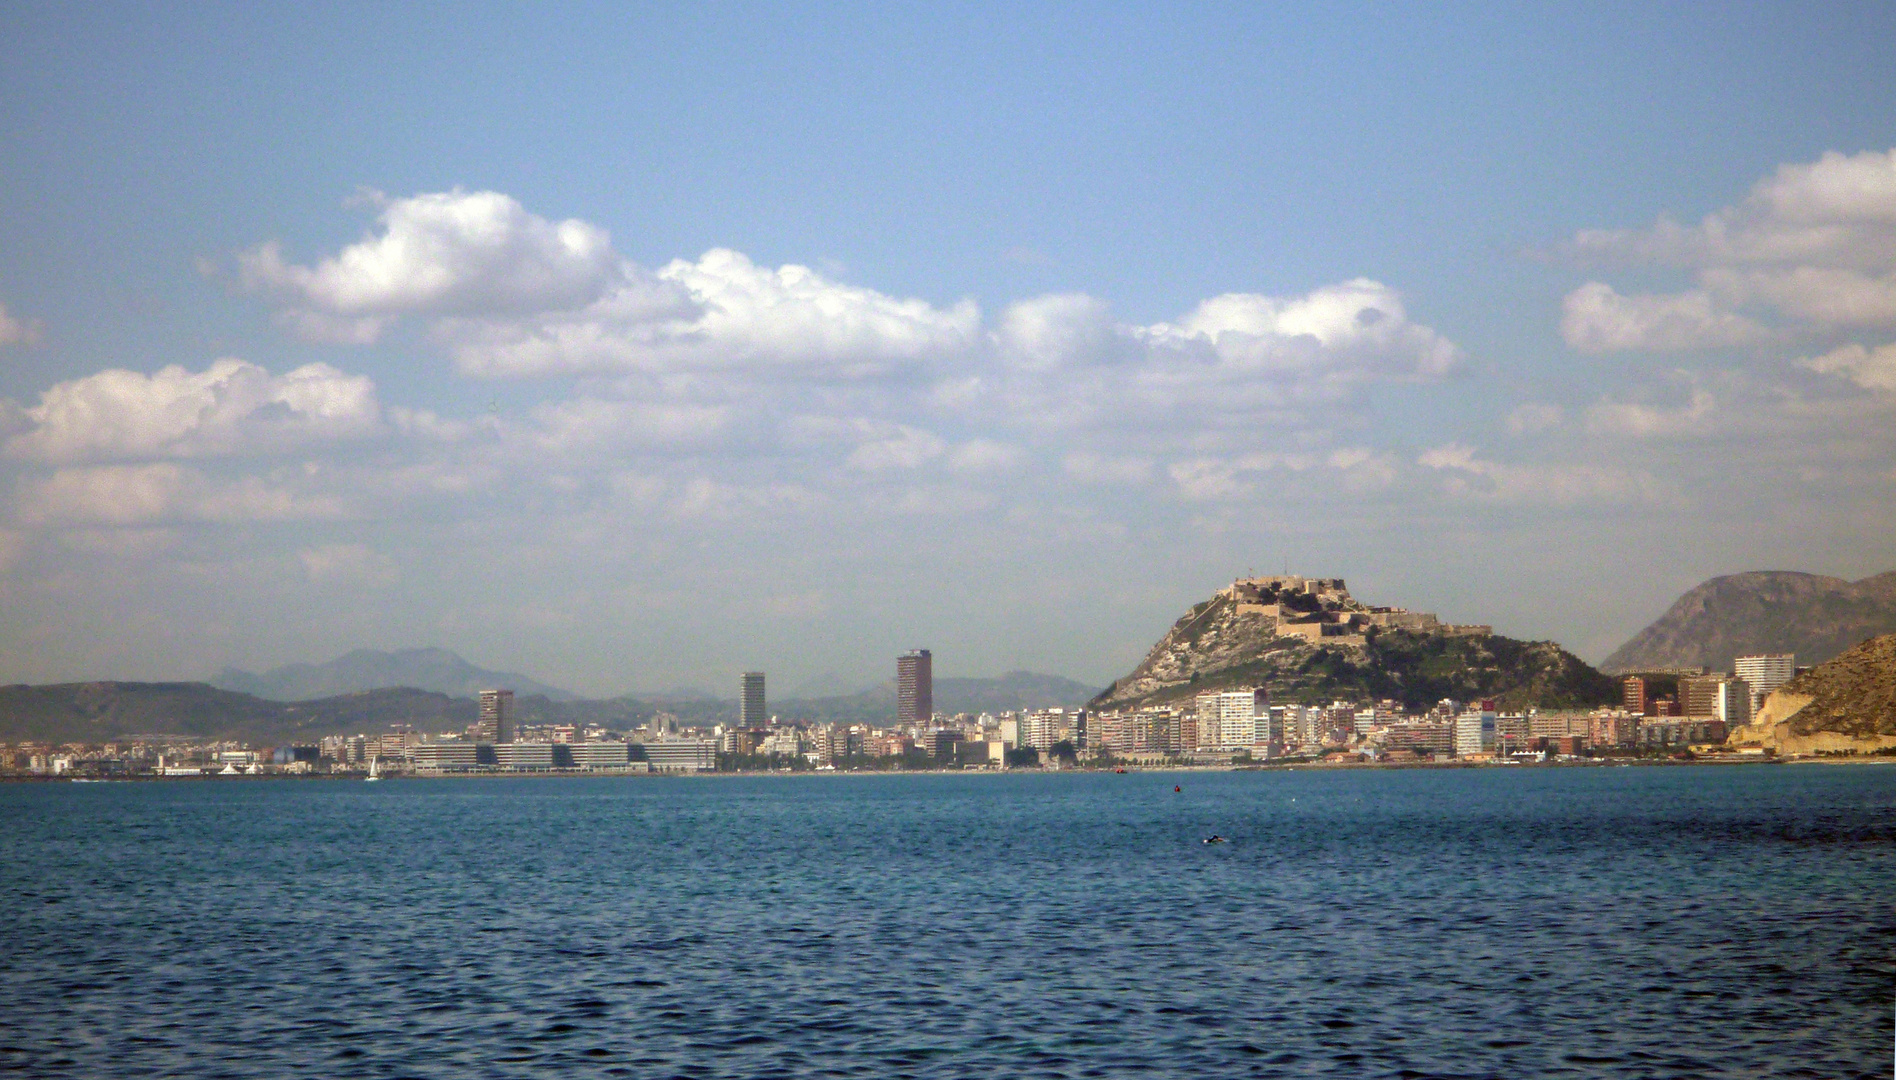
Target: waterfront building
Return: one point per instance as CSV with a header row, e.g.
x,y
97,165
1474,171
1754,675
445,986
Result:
x,y
444,756
496,722
1475,730
787,742
1681,731
682,755
943,745
914,687
1229,718
1699,694
1613,729
1432,736
1044,727
889,745
1764,674
600,755
751,712
1733,705
1556,725
524,756
739,741
1633,695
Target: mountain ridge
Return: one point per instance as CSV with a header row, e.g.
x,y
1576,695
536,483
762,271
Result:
x,y
1761,611
432,669
96,712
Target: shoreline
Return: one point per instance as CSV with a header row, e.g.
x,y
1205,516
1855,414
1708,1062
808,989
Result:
x,y
1340,766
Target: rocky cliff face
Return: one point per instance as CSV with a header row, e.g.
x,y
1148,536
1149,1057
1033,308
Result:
x,y
1774,611
1232,640
1847,704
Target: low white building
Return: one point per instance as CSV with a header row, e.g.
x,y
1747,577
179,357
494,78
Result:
x,y
682,755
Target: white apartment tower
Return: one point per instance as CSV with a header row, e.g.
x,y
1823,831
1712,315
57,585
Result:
x,y
1229,718
1764,674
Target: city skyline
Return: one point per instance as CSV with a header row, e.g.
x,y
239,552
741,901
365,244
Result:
x,y
742,338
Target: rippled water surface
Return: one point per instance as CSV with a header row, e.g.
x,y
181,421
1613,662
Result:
x,y
1641,922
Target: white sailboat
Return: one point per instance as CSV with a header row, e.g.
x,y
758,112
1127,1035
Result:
x,y
375,769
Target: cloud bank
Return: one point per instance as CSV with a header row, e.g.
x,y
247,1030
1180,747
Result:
x,y
1811,251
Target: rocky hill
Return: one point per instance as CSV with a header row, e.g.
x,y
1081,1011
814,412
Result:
x,y
437,670
1775,611
1276,637
1847,704
103,711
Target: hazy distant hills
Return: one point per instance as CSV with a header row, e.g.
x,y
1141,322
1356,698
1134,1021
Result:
x,y
103,711
437,670
1014,690
1769,611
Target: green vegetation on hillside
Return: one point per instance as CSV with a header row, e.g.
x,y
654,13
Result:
x,y
1415,669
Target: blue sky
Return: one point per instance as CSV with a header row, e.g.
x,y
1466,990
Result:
x,y
1004,413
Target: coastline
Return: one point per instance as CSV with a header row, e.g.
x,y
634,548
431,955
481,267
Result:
x,y
1121,770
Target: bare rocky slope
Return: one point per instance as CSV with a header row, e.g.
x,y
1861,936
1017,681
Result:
x,y
1773,611
1846,704
1241,638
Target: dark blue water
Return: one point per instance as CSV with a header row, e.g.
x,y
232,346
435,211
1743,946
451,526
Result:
x,y
1642,922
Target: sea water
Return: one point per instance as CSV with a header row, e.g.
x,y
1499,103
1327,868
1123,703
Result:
x,y
1531,922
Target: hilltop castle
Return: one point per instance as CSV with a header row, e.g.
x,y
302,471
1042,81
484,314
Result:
x,y
1322,610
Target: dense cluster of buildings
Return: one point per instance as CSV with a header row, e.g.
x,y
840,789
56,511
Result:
x,y
1214,727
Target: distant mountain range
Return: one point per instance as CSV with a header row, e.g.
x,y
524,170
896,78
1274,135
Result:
x,y
1014,690
1772,611
104,711
368,691
436,670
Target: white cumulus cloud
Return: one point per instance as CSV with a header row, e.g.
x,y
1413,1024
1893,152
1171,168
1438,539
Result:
x,y
1811,250
1357,325
451,252
230,407
1872,369
1597,319
722,313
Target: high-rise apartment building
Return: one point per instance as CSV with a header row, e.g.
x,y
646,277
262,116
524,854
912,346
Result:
x,y
1764,674
1734,702
1721,696
496,723
751,712
1231,718
1699,694
914,687
1633,695
1476,729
